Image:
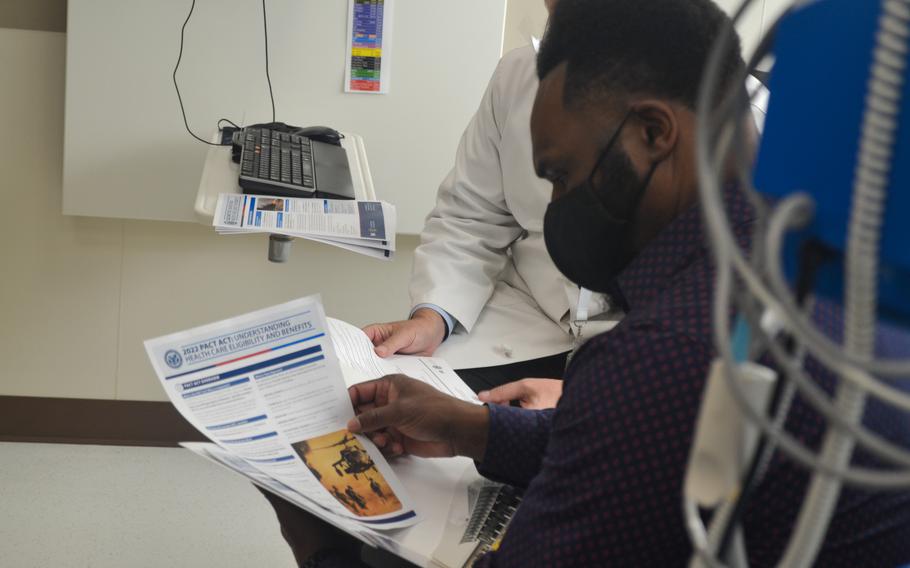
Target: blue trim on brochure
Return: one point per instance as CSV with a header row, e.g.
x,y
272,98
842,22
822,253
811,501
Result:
x,y
249,369
276,348
274,460
243,422
402,517
216,388
255,438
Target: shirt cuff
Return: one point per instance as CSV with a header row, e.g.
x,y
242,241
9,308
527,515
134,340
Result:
x,y
516,442
448,319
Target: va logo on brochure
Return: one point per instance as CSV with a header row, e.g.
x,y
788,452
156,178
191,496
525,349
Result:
x,y
173,359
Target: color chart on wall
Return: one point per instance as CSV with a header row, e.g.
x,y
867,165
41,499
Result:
x,y
368,65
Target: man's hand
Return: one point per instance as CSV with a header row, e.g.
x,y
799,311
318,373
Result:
x,y
530,393
420,335
405,416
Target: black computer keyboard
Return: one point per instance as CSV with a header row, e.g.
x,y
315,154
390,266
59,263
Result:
x,y
277,163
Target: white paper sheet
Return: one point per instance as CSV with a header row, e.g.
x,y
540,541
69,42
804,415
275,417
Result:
x,y
360,363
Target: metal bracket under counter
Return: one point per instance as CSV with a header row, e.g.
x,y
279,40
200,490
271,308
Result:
x,y
220,175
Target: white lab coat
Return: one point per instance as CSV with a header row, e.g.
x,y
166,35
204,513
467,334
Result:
x,y
482,256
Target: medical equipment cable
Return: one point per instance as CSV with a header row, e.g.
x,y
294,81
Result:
x,y
870,192
728,255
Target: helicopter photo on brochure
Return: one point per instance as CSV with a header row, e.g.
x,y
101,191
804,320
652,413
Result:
x,y
342,465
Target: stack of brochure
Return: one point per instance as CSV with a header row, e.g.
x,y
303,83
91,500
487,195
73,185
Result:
x,y
365,227
270,390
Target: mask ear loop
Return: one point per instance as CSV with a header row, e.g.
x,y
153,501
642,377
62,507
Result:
x,y
639,195
589,183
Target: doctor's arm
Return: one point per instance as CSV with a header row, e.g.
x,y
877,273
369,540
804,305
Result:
x,y
465,241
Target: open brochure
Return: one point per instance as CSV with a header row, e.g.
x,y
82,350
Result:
x,y
269,390
364,227
359,363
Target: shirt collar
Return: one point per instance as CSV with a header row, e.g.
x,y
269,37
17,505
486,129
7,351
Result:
x,y
675,248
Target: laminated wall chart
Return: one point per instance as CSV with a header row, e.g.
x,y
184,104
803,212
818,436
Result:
x,y
368,65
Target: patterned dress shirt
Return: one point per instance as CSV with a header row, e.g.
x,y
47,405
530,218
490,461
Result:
x,y
604,470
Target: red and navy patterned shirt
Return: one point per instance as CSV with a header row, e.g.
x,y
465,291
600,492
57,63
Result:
x,y
604,471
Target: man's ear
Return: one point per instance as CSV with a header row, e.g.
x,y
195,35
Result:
x,y
655,128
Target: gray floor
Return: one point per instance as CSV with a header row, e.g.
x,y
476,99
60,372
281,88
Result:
x,y
101,506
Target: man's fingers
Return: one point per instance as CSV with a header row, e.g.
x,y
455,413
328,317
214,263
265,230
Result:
x,y
363,393
374,419
505,393
369,394
380,439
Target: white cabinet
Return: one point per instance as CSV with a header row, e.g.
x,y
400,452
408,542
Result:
x,y
127,153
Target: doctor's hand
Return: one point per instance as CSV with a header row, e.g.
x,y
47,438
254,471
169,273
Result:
x,y
405,416
536,394
420,335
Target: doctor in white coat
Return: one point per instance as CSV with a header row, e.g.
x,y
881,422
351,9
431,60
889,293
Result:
x,y
482,280
485,294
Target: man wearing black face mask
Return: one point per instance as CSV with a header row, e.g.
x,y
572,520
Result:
x,y
613,130
591,214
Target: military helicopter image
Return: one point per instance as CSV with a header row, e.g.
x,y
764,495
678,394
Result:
x,y
354,460
341,464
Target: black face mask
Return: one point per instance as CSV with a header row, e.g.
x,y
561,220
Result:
x,y
587,230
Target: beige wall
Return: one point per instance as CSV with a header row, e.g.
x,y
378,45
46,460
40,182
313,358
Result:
x,y
524,18
78,295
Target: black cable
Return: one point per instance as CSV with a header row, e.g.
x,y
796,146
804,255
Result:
x,y
177,87
265,29
231,122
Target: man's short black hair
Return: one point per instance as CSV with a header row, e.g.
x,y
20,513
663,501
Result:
x,y
635,47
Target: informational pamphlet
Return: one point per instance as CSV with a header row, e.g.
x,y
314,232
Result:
x,y
365,227
267,388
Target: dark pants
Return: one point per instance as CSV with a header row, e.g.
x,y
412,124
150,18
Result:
x,y
486,378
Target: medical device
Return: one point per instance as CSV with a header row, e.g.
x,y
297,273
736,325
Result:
x,y
832,184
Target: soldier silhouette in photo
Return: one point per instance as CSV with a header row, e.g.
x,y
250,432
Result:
x,y
377,489
355,497
343,498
